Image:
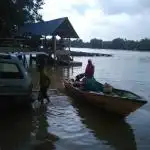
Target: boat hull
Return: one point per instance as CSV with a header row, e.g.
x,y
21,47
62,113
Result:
x,y
117,105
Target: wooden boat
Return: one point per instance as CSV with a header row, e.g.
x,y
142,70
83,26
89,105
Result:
x,y
119,102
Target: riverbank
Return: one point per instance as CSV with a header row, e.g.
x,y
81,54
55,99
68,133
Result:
x,y
73,53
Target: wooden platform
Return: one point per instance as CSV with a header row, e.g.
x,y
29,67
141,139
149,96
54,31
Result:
x,y
75,63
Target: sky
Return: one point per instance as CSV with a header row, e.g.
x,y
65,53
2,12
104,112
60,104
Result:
x,y
103,19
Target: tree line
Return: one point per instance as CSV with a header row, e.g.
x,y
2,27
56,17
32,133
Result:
x,y
14,13
118,43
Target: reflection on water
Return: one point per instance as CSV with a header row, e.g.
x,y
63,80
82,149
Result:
x,y
116,133
25,130
81,127
41,139
15,131
66,125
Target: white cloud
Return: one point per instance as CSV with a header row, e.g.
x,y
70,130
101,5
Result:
x,y
124,6
105,19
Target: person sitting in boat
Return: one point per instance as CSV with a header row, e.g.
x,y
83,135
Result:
x,y
89,82
89,71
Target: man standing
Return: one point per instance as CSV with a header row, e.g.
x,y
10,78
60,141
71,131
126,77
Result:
x,y
44,85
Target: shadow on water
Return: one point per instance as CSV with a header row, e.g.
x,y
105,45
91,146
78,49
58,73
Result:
x,y
42,139
117,134
15,129
113,132
25,130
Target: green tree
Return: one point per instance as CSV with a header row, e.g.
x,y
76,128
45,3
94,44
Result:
x,y
144,44
131,45
14,13
96,43
118,44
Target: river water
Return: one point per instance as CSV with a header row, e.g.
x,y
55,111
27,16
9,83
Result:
x,y
67,125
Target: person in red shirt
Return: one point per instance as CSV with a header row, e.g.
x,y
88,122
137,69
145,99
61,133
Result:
x,y
89,71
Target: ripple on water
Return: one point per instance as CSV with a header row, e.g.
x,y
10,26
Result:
x,y
79,128
64,122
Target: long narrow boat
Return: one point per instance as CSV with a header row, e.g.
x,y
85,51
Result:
x,y
120,102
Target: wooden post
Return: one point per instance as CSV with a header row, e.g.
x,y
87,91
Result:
x,y
69,50
30,60
45,43
69,44
54,42
68,72
42,43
